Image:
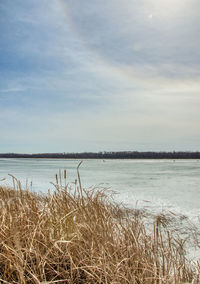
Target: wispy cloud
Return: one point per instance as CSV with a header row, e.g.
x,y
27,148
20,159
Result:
x,y
124,34
120,74
11,90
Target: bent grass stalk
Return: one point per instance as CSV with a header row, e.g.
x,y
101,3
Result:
x,y
81,236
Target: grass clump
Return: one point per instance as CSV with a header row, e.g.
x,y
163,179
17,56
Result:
x,y
81,236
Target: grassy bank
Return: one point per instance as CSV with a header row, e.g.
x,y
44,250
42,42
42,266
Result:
x,y
79,236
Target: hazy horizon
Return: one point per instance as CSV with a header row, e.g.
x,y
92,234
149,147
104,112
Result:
x,y
104,152
90,76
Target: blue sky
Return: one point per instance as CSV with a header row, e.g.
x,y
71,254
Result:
x,y
99,75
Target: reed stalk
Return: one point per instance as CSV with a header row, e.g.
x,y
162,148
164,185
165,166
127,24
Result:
x,y
76,235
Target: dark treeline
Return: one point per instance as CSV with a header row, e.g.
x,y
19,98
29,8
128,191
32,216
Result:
x,y
108,155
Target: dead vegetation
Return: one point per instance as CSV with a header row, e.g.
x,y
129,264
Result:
x,y
80,236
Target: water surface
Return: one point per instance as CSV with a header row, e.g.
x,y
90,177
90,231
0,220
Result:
x,y
157,185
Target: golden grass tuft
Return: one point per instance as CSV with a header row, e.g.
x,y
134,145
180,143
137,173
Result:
x,y
81,236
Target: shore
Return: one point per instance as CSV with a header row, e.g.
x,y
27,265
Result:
x,y
82,236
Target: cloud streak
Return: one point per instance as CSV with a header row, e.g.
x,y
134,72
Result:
x,y
98,75
123,34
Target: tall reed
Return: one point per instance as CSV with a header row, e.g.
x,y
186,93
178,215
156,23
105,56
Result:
x,y
81,236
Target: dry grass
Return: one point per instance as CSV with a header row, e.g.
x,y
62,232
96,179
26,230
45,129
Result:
x,y
79,236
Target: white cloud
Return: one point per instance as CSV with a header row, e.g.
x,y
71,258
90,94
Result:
x,y
101,75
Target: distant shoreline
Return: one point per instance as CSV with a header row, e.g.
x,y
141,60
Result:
x,y
107,155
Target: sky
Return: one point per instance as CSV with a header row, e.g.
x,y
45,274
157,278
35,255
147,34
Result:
x,y
98,75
